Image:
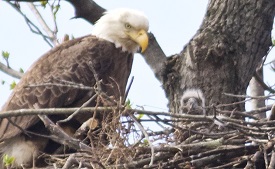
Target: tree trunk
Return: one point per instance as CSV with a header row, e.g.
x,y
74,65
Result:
x,y
222,57
256,89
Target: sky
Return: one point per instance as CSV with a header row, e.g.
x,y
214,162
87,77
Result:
x,y
173,23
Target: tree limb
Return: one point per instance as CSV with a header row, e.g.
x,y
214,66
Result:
x,y
87,9
43,23
61,137
155,57
10,71
262,83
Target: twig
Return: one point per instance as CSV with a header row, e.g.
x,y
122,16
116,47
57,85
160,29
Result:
x,y
240,114
264,58
20,128
54,16
31,25
128,89
156,119
246,96
43,23
78,110
146,136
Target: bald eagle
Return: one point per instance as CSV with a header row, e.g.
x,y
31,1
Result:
x,y
192,102
108,52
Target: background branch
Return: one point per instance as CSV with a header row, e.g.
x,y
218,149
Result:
x,y
42,22
10,71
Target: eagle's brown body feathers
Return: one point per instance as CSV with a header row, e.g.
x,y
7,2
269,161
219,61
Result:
x,y
71,63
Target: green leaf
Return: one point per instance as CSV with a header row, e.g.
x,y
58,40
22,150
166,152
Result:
x,y
72,37
12,85
146,142
7,160
55,10
128,104
43,3
5,54
140,116
21,70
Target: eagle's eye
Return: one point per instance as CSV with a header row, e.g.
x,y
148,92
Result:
x,y
128,26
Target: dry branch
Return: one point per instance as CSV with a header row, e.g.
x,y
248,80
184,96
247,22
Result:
x,y
62,137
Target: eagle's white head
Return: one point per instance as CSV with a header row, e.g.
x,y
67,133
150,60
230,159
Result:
x,y
126,28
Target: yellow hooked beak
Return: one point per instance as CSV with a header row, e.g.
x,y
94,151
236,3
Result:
x,y
141,38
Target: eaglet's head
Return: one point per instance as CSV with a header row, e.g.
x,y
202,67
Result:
x,y
126,28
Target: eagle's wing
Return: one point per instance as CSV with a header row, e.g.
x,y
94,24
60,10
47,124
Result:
x,y
69,62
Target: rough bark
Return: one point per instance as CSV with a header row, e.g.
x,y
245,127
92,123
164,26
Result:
x,y
223,55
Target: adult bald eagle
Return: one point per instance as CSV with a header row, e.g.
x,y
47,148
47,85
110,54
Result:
x,y
108,52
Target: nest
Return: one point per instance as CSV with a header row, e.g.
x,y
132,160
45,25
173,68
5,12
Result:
x,y
129,138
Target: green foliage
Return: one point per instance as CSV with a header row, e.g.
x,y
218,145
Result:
x,y
7,160
140,116
21,70
128,104
12,85
5,55
146,142
55,10
43,3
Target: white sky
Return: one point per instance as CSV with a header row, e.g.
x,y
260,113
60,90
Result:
x,y
172,22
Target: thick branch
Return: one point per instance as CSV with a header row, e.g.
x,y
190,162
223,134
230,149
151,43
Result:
x,y
87,10
10,71
155,57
